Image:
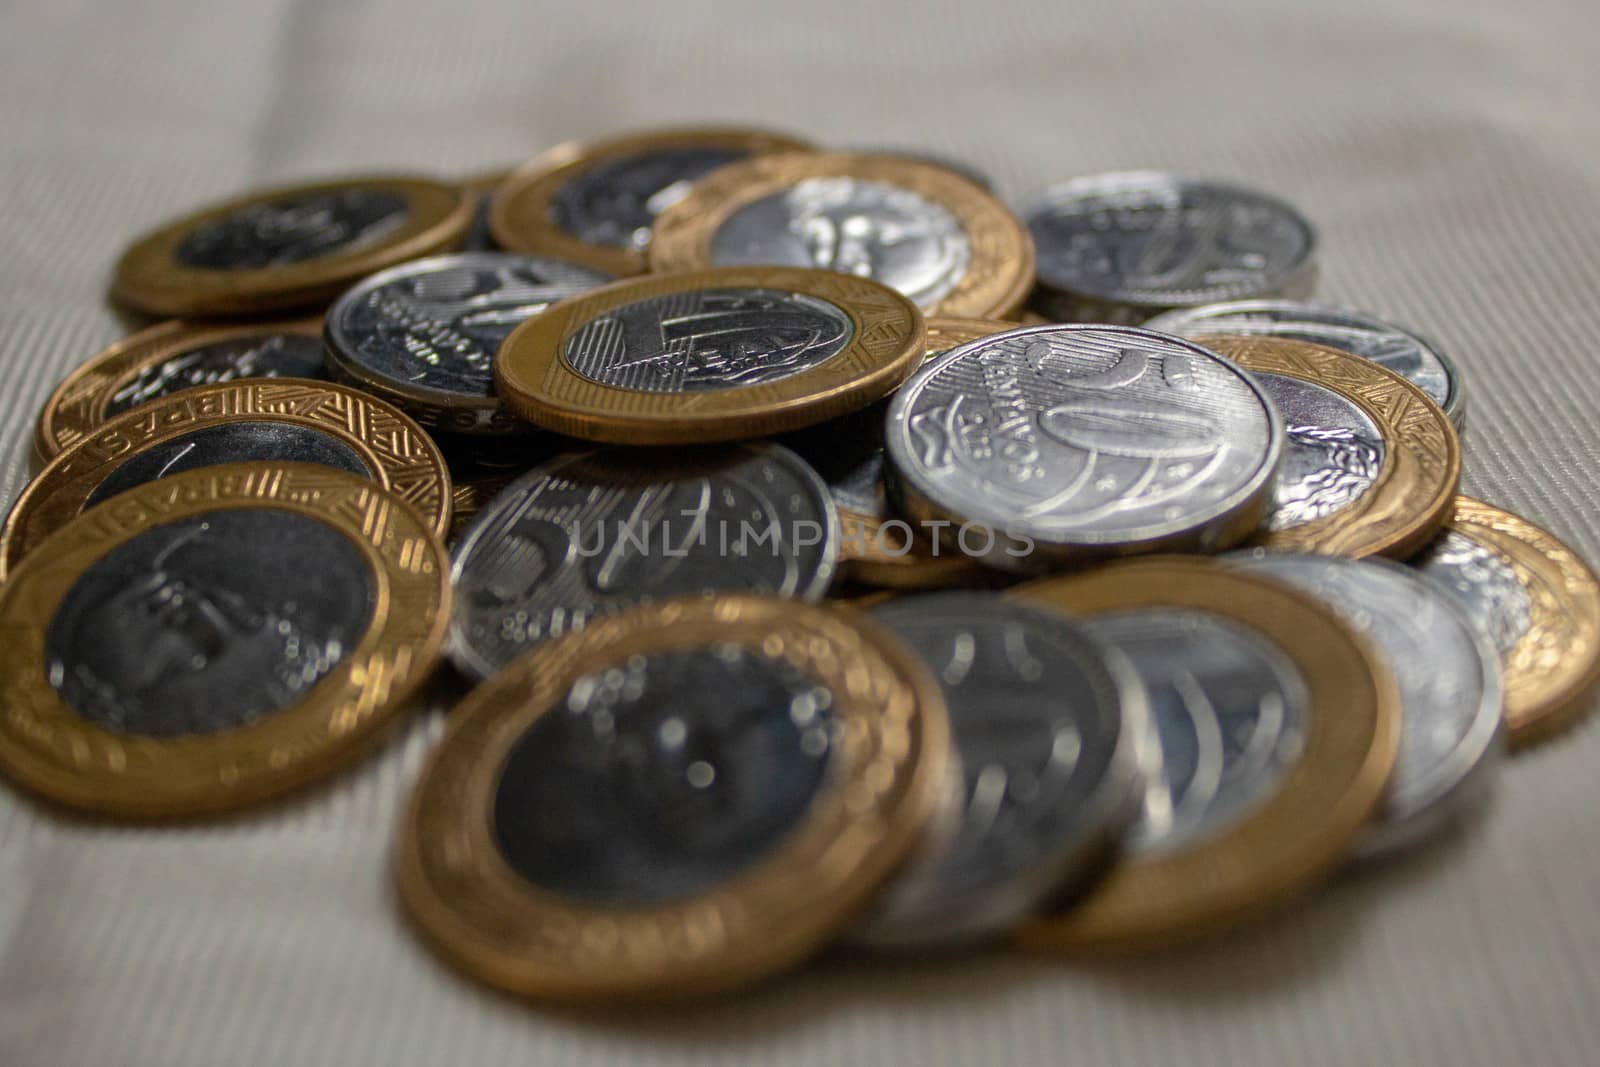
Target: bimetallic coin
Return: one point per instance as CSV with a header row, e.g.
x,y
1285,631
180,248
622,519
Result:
x,y
594,203
215,638
586,535
1539,604
1399,348
255,420
677,800
1277,729
706,356
1123,247
165,358
423,335
1448,677
943,242
876,546
1370,466
288,248
1053,442
1046,723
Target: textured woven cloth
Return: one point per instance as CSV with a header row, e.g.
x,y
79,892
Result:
x,y
1448,150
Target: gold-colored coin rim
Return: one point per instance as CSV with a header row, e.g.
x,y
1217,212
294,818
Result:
x,y
863,555
150,279
78,405
999,275
399,455
1551,672
1416,485
881,787
533,378
50,749
469,497
520,218
1289,841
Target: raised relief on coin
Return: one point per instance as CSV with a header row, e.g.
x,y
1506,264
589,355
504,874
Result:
x,y
872,229
293,229
1484,582
1332,454
1398,348
588,535
266,355
1156,241
1045,725
614,202
1085,438
708,339
1228,712
208,623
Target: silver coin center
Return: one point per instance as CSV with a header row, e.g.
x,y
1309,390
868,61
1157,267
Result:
x,y
1484,582
1332,455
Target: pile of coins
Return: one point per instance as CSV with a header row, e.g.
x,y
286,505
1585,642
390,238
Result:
x,y
789,497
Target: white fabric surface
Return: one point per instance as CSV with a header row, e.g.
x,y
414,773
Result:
x,y
1449,151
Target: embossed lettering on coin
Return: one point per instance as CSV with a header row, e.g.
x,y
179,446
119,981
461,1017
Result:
x,y
293,229
267,355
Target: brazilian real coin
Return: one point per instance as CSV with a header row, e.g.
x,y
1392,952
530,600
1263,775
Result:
x,y
215,638
675,801
712,355
876,547
423,335
1370,464
1053,442
590,534
1539,603
593,203
1047,724
1277,728
920,229
1400,348
165,358
1123,247
1448,677
288,248
253,420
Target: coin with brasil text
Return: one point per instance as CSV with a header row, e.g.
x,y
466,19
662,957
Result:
x,y
165,358
215,638
675,801
706,356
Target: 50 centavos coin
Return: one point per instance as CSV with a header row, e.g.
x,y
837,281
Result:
x,y
594,203
1399,348
677,800
215,638
1277,728
1124,247
1078,441
1448,677
423,335
1370,464
165,358
712,355
1539,604
260,420
1047,724
293,247
590,534
920,229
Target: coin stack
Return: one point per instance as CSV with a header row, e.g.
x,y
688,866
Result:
x,y
792,500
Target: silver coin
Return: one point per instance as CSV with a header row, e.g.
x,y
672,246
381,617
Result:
x,y
1060,441
1332,452
1047,723
665,775
1447,674
424,334
1399,348
210,623
614,203
1121,247
1484,582
705,340
589,534
268,354
855,226
293,229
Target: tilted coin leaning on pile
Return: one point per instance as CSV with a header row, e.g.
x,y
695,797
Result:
x,y
794,501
